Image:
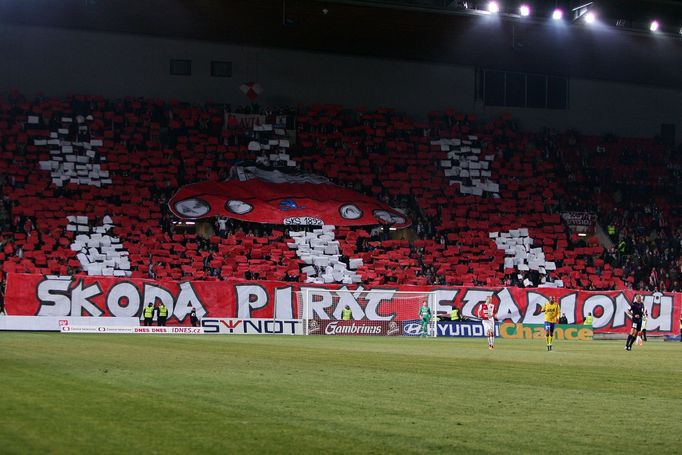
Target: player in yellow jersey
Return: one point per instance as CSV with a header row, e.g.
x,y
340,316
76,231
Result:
x,y
552,312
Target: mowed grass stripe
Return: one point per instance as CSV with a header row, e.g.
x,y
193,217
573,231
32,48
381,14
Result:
x,y
259,394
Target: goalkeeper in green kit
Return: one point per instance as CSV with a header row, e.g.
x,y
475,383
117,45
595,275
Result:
x,y
425,316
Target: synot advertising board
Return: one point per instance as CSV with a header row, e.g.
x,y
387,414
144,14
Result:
x,y
231,326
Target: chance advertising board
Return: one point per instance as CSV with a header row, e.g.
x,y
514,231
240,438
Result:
x,y
537,332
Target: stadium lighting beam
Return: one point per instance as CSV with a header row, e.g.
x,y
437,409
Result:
x,y
493,7
590,17
557,15
524,10
654,26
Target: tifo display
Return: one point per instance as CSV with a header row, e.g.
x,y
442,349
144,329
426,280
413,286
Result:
x,y
326,195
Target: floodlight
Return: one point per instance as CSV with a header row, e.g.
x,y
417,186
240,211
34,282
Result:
x,y
557,14
590,17
493,7
654,26
524,10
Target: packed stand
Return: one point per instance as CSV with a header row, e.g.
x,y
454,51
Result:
x,y
471,188
633,185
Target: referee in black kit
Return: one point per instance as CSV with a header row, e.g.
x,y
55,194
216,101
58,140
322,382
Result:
x,y
636,312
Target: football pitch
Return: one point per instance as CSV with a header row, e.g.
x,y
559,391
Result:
x,y
274,394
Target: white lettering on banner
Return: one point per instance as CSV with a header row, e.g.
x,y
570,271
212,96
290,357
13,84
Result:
x,y
249,297
350,299
508,309
186,301
151,293
284,307
319,299
53,301
252,326
57,298
620,312
80,302
535,303
606,312
303,221
62,297
126,292
472,298
660,308
567,304
444,295
373,302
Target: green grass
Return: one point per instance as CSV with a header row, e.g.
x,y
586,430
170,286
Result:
x,y
258,394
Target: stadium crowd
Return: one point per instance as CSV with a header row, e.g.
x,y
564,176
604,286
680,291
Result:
x,y
152,147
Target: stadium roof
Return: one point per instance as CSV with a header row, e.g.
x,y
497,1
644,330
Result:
x,y
411,30
634,11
